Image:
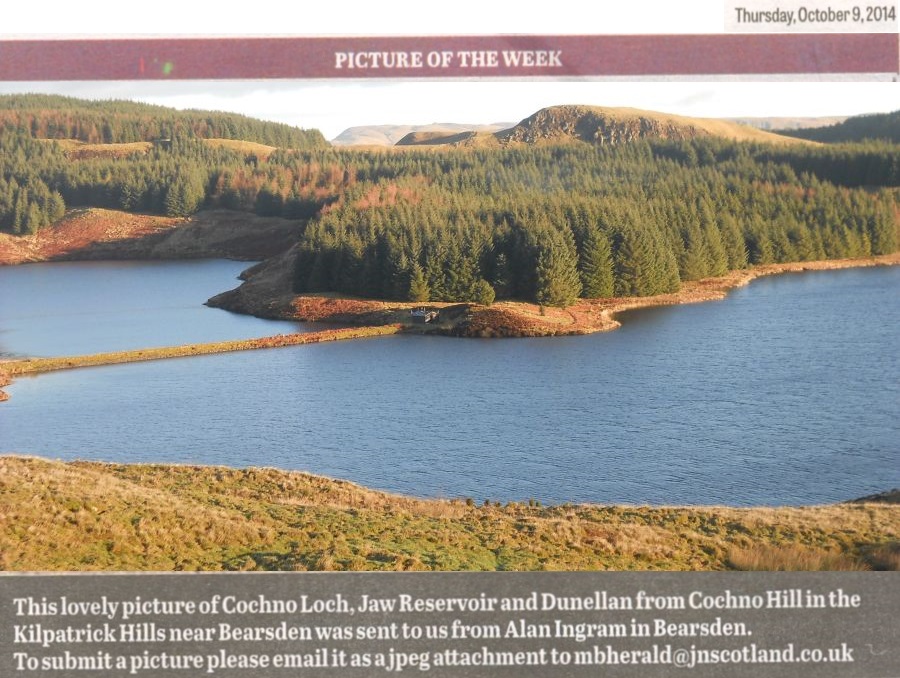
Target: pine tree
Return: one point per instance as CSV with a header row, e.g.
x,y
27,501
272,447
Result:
x,y
882,228
501,281
483,293
717,258
596,265
20,212
759,243
694,263
644,266
418,287
558,282
733,242
185,194
33,221
349,278
434,271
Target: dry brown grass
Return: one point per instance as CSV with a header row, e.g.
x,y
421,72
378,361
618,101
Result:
x,y
78,230
791,557
261,151
96,233
884,557
79,150
87,520
88,515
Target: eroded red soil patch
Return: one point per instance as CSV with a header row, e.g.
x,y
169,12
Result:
x,y
78,231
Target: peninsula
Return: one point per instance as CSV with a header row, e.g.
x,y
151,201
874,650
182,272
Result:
x,y
551,226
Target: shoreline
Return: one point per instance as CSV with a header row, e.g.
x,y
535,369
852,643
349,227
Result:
x,y
13,368
599,315
369,318
262,295
89,515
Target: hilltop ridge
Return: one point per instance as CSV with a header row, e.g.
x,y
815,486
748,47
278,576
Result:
x,y
602,126
390,135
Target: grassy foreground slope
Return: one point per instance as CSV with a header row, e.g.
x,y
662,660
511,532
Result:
x,y
96,516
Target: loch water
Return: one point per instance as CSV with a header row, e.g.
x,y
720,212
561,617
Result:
x,y
77,308
787,392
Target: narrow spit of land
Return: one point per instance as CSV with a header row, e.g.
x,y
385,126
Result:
x,y
368,318
14,368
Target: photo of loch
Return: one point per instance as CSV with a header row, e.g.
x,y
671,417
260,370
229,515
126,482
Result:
x,y
252,326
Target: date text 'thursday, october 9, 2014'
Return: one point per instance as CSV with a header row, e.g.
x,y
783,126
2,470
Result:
x,y
809,16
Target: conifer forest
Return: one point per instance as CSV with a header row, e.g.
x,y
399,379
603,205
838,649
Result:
x,y
547,223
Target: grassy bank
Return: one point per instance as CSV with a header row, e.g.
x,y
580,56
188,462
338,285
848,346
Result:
x,y
95,516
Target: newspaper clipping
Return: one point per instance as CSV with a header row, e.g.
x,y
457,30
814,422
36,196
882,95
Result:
x,y
459,341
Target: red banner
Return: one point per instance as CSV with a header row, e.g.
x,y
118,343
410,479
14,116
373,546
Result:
x,y
502,56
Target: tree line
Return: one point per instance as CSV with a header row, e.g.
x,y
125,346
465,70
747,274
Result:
x,y
554,224
114,122
549,223
877,126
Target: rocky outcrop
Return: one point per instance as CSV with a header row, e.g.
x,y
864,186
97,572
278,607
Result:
x,y
611,126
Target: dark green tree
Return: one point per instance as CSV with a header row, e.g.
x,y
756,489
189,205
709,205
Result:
x,y
643,266
501,281
483,293
185,194
596,265
418,286
558,282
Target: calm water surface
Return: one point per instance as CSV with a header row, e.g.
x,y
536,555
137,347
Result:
x,y
75,308
787,392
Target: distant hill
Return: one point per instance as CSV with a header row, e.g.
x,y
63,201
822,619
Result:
x,y
602,125
613,216
471,138
599,125
389,135
47,116
882,126
778,124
